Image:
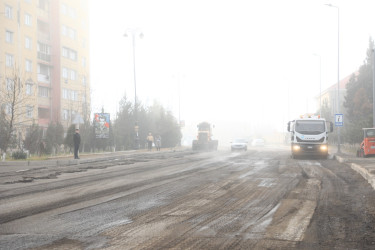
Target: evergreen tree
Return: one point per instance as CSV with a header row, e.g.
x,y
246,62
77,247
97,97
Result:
x,y
359,99
123,126
68,141
34,140
154,119
54,137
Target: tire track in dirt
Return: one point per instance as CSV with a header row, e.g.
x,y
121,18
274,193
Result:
x,y
234,211
345,214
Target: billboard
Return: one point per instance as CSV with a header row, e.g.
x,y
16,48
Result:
x,y
101,125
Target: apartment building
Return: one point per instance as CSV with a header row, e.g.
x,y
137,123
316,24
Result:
x,y
45,43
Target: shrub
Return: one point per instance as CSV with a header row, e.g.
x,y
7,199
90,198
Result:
x,y
18,155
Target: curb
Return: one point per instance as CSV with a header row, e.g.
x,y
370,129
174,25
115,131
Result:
x,y
121,155
364,172
60,162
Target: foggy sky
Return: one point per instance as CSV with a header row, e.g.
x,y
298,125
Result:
x,y
249,62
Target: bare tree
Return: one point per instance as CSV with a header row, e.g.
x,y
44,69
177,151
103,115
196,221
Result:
x,y
16,108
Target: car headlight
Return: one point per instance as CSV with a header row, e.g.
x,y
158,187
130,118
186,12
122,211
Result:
x,y
323,147
296,147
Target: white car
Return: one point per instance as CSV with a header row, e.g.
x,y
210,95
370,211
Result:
x,y
257,142
239,145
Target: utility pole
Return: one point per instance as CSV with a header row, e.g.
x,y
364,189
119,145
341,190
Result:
x,y
373,88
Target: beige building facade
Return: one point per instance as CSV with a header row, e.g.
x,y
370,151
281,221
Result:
x,y
330,95
44,48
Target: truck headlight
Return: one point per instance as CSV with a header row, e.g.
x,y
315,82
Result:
x,y
296,147
323,147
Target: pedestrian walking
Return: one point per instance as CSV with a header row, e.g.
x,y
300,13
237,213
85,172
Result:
x,y
158,142
77,141
150,140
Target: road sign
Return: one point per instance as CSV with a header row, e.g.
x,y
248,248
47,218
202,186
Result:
x,y
339,120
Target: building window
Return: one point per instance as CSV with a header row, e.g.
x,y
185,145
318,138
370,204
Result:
x,y
28,19
43,73
8,12
43,30
28,66
65,94
73,75
73,55
8,109
72,34
9,36
29,111
63,30
43,4
83,80
65,52
44,52
9,60
43,91
10,84
84,62
65,114
72,13
29,88
69,53
74,95
43,113
28,43
65,73
64,9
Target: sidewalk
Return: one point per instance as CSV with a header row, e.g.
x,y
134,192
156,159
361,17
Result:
x,y
68,160
364,166
63,161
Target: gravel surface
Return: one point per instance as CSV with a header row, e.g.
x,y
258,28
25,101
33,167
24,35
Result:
x,y
259,199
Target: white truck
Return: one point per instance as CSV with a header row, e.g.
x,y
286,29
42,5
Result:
x,y
309,136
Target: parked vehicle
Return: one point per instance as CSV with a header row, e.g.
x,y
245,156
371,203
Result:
x,y
367,146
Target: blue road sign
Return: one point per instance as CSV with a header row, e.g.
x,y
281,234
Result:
x,y
339,120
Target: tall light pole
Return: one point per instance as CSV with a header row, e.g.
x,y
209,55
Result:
x,y
373,88
320,83
134,33
338,73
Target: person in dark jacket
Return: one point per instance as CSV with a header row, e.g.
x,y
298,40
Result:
x,y
77,141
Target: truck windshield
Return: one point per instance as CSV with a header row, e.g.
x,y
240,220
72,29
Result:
x,y
370,133
310,127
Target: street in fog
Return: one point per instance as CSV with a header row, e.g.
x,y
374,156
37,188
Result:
x,y
256,199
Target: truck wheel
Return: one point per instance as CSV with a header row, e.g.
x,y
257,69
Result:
x,y
363,153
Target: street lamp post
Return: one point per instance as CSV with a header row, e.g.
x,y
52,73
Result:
x,y
320,83
338,73
373,88
134,33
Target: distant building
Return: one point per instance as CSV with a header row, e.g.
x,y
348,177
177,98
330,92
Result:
x,y
48,42
329,95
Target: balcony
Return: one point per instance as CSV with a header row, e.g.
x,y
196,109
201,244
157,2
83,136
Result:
x,y
44,78
43,14
44,57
